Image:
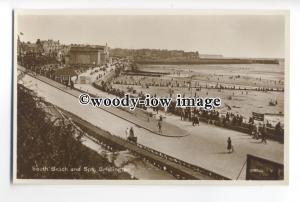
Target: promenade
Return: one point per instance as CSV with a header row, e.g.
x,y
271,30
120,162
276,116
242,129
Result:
x,y
137,117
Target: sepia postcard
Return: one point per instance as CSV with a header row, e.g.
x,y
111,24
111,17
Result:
x,y
151,96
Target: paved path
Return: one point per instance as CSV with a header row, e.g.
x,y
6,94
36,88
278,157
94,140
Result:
x,y
137,117
205,147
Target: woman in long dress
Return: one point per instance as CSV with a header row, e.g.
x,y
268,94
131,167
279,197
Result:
x,y
229,145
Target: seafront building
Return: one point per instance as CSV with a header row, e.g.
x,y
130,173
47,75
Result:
x,y
87,55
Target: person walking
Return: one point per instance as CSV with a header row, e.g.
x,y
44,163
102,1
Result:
x,y
181,114
159,125
127,132
229,145
264,134
131,133
255,131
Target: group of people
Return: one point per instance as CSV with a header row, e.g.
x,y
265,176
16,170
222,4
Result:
x,y
146,81
259,132
233,119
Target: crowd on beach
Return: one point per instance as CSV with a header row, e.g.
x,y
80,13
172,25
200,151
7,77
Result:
x,y
173,82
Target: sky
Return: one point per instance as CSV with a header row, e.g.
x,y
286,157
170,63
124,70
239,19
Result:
x,y
260,36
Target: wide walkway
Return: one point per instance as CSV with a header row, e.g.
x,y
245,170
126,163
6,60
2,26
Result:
x,y
137,117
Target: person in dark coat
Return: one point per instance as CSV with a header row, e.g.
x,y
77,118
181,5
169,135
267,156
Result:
x,y
229,145
195,121
159,125
264,134
131,132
